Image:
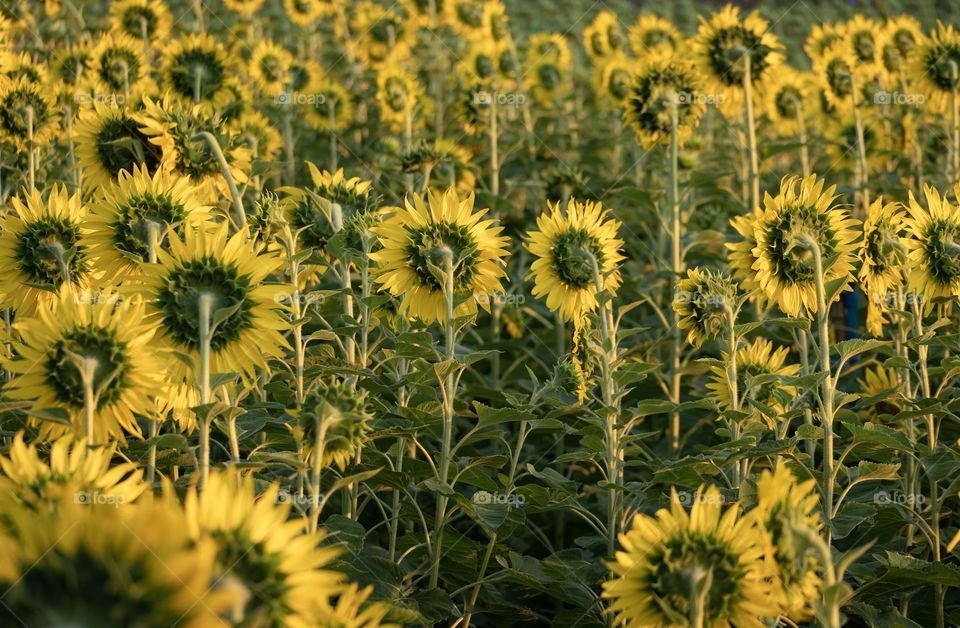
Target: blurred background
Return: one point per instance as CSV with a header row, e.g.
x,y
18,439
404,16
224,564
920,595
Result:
x,y
791,20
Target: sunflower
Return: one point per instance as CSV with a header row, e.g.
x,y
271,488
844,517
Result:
x,y
206,263
653,35
933,254
574,248
481,65
720,48
835,69
139,568
801,210
613,79
494,24
785,95
72,470
935,69
258,133
331,107
245,9
760,369
658,85
17,65
72,65
310,213
306,13
548,83
821,37
416,238
270,67
380,32
784,504
343,418
552,47
42,247
861,34
195,71
882,253
898,39
260,548
561,182
172,128
604,36
464,17
879,395
80,331
128,209
27,110
397,95
468,107
665,560
703,302
118,66
109,141
442,162
146,20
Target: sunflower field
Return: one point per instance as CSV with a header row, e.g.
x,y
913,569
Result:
x,y
347,314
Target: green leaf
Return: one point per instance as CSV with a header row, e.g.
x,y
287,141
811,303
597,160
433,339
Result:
x,y
850,348
54,415
487,416
356,478
879,435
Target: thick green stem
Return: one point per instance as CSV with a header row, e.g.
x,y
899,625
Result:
x,y
205,307
676,228
449,384
238,217
750,123
88,369
494,147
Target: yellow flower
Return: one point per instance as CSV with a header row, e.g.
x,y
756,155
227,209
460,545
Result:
x,y
882,254
416,238
397,95
784,268
146,20
720,48
443,163
246,9
658,84
109,141
935,69
785,95
665,559
835,69
612,80
118,66
604,36
28,114
565,246
284,569
464,17
141,568
42,247
879,394
270,67
861,34
72,471
342,417
548,83
552,47
933,255
378,31
230,270
756,362
306,13
87,330
821,37
898,40
784,503
135,213
255,130
195,71
704,302
653,35
331,107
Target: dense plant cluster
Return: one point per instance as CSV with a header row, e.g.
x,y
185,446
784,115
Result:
x,y
325,313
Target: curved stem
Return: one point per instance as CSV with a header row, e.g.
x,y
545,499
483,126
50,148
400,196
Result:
x,y
239,217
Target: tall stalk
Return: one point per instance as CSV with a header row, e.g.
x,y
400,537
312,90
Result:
x,y
205,306
751,129
448,392
676,227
